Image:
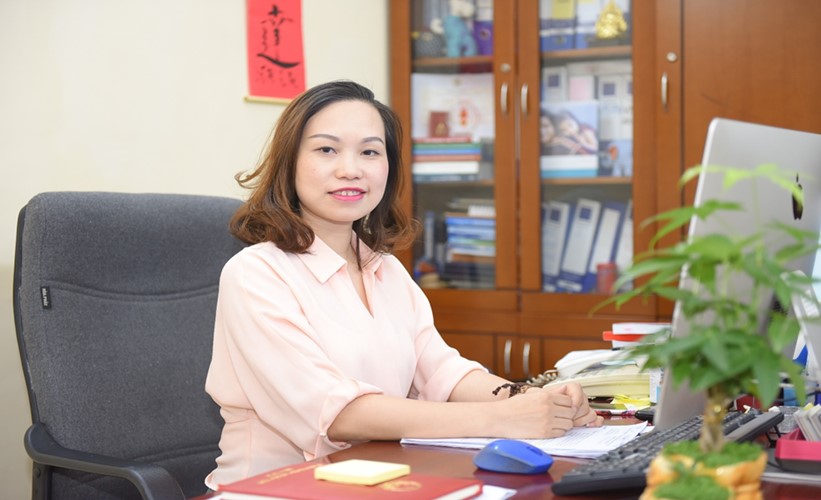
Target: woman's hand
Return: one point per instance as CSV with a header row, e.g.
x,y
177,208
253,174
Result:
x,y
546,412
538,413
585,416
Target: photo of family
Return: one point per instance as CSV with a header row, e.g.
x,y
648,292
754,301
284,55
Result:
x,y
569,139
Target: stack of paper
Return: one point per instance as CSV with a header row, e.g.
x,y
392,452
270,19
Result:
x,y
580,442
631,334
809,420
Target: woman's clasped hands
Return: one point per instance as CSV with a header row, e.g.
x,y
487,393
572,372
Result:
x,y
546,412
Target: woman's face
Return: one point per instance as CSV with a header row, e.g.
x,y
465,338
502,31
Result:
x,y
342,165
568,126
548,130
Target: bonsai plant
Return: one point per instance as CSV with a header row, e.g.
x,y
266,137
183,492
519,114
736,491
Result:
x,y
724,353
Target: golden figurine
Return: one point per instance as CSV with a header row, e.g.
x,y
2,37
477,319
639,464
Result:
x,y
611,23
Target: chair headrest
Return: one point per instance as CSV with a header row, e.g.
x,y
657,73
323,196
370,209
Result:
x,y
129,243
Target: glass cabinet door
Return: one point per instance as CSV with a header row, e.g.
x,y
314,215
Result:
x,y
582,153
453,132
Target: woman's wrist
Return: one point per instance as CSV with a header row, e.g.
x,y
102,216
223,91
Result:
x,y
513,388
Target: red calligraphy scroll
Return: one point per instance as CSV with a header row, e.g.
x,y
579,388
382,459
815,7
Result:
x,y
276,61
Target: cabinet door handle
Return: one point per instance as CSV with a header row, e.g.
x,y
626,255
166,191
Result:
x,y
508,349
664,90
523,98
526,359
503,98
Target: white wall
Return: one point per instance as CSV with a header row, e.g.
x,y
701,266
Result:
x,y
138,96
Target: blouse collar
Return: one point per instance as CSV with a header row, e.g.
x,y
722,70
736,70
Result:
x,y
323,262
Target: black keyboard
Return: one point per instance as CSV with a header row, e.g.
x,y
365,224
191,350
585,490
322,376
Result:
x,y
625,467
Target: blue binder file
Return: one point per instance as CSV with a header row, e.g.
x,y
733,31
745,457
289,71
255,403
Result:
x,y
579,246
556,219
606,242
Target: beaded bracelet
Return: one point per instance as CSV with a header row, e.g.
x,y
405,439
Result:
x,y
514,388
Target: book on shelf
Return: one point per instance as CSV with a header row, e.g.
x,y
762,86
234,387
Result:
x,y
469,235
624,248
615,93
579,246
606,241
434,178
481,240
416,158
473,207
474,249
476,259
460,218
429,236
469,271
483,27
581,88
450,139
554,83
587,13
556,21
471,231
445,167
298,482
459,147
471,285
556,218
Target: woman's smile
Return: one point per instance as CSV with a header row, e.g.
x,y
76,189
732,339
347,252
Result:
x,y
348,194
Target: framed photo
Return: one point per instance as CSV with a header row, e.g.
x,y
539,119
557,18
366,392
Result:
x,y
276,60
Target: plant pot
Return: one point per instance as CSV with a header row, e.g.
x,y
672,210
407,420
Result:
x,y
741,480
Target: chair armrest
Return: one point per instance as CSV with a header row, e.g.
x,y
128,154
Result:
x,y
153,481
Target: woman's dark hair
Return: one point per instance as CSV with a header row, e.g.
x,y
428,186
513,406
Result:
x,y
271,213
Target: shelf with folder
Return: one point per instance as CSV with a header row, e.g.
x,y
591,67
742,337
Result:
x,y
670,138
506,88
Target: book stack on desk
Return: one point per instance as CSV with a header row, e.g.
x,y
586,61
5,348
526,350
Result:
x,y
809,420
632,334
351,479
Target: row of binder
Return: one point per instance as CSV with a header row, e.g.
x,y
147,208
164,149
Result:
x,y
578,236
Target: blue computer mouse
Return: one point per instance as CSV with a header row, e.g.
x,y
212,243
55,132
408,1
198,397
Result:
x,y
510,455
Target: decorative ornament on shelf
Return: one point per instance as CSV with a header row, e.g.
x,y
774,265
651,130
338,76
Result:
x,y
456,28
611,23
427,44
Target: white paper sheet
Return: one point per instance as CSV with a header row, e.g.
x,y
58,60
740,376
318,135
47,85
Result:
x,y
580,442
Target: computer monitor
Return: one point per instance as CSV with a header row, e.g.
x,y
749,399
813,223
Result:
x,y
738,144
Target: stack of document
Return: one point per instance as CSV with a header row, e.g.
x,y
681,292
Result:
x,y
579,442
809,420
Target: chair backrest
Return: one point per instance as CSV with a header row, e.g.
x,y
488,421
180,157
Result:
x,y
114,307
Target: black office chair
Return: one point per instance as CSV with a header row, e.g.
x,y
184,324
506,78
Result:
x,y
114,300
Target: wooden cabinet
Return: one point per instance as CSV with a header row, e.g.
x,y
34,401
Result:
x,y
509,322
749,60
690,61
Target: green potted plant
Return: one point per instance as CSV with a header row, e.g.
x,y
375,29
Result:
x,y
724,354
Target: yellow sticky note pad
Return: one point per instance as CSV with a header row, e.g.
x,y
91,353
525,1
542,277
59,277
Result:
x,y
366,472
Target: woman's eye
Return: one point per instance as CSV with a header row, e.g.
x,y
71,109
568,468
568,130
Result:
x,y
326,149
371,152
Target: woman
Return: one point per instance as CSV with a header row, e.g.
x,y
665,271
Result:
x,y
322,339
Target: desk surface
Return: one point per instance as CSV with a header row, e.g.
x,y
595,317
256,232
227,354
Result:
x,y
458,463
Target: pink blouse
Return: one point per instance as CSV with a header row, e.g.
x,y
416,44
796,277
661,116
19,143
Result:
x,y
294,344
